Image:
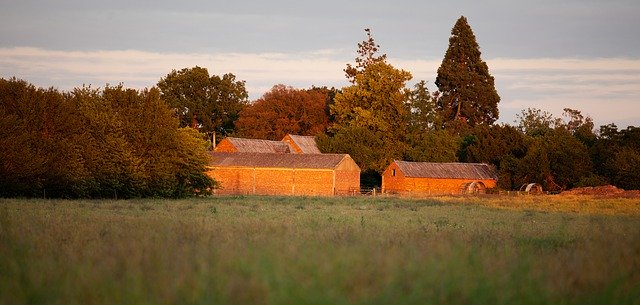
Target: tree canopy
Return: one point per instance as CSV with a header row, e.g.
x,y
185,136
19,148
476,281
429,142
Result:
x,y
113,142
284,110
203,102
467,89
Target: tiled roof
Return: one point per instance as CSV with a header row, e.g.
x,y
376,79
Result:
x,y
306,143
260,146
479,171
274,160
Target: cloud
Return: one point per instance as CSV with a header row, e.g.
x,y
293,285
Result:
x,y
138,69
607,89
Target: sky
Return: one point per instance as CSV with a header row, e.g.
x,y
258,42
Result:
x,y
550,55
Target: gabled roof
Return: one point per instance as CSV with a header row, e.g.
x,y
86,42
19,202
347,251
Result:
x,y
307,144
273,160
260,146
478,171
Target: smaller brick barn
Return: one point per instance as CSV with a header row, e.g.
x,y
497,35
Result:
x,y
302,144
284,174
230,144
426,178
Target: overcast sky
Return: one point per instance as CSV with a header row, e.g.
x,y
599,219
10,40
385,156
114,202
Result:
x,y
581,54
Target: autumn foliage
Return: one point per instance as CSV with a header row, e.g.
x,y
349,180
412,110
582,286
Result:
x,y
284,110
113,143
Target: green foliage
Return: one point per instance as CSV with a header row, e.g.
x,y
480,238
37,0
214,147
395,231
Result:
x,y
114,143
615,155
40,140
468,90
534,122
433,146
284,110
491,144
376,101
369,149
203,102
557,160
423,109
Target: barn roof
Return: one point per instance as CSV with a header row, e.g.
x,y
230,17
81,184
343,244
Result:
x,y
479,171
274,160
307,144
260,146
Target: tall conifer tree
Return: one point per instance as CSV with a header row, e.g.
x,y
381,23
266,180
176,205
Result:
x,y
468,90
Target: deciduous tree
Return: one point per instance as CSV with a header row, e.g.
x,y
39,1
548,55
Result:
x,y
376,101
284,110
203,102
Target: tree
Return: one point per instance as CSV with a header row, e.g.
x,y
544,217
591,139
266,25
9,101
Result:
x,y
284,110
367,54
557,160
376,101
113,142
39,136
135,148
501,145
468,90
615,154
423,114
203,102
535,122
491,144
432,146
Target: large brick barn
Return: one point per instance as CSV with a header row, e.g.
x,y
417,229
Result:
x,y
284,174
426,178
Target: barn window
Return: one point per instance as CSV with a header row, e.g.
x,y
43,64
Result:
x,y
393,172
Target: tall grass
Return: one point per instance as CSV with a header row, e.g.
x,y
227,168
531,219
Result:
x,y
280,250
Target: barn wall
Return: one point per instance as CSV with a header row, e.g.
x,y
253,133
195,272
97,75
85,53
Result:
x,y
270,181
439,186
225,146
273,181
393,184
313,182
347,177
233,180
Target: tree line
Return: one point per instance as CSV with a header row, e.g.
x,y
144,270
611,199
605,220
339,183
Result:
x,y
153,142
96,143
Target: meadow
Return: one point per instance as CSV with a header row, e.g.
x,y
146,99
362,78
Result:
x,y
351,250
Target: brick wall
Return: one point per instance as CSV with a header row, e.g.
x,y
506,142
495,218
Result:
x,y
287,181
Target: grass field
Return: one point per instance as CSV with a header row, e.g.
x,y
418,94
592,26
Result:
x,y
278,250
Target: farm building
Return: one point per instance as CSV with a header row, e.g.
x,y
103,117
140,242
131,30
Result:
x,y
230,144
284,174
425,178
302,144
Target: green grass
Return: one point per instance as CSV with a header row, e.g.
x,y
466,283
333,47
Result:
x,y
281,250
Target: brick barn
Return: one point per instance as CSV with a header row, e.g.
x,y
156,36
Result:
x,y
426,178
284,174
230,144
302,144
